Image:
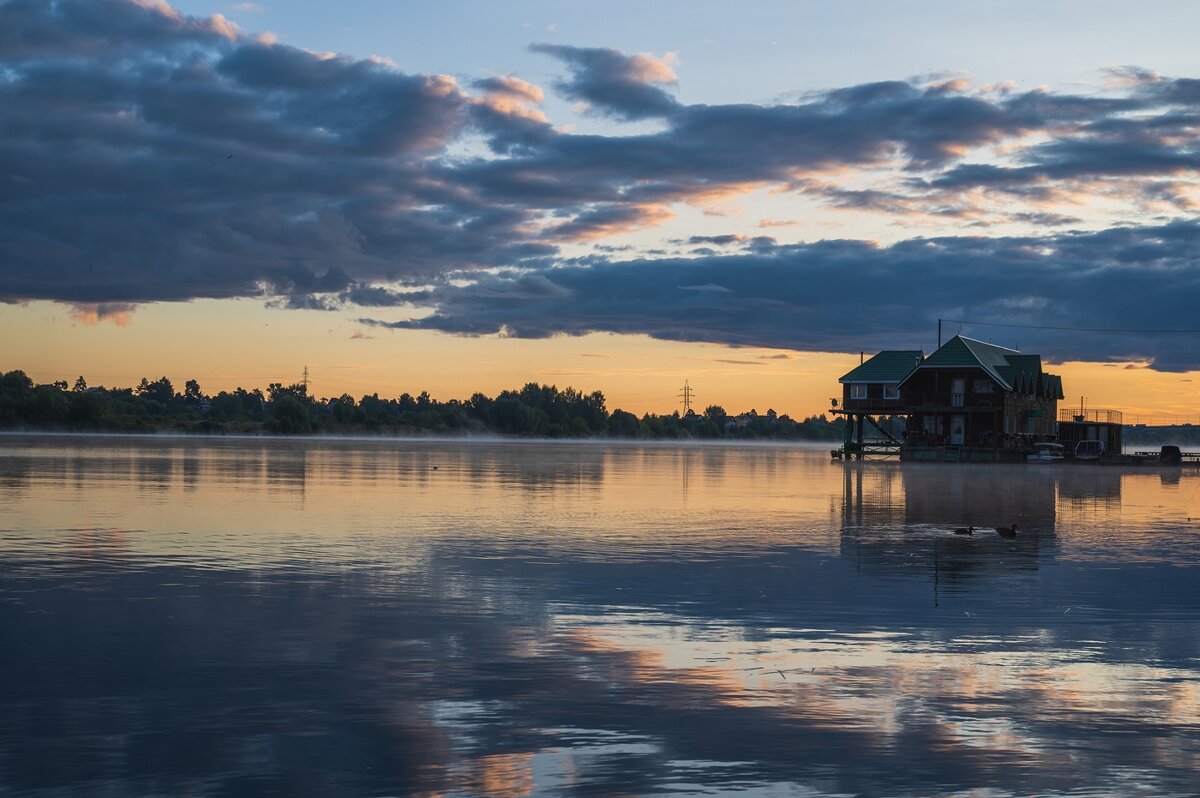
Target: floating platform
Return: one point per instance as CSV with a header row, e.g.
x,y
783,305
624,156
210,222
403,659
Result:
x,y
878,450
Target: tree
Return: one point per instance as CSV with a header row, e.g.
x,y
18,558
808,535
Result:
x,y
160,390
227,407
343,408
191,391
622,424
85,410
512,416
290,416
80,384
16,396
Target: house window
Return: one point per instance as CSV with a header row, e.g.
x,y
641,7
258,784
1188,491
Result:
x,y
891,391
858,392
982,386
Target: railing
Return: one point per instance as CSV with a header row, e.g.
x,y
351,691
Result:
x,y
870,449
910,402
1092,416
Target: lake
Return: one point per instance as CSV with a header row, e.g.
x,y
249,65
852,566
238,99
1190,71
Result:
x,y
244,617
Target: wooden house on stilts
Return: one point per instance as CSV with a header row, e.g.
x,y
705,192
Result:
x,y
969,400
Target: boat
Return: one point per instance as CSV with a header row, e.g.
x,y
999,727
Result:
x,y
1089,450
1046,453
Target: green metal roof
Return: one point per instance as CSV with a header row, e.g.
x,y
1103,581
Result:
x,y
1012,370
888,366
961,352
1053,386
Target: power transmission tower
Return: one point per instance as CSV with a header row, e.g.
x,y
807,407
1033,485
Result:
x,y
687,395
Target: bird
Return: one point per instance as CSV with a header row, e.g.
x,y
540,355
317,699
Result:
x,y
965,530
230,155
1007,531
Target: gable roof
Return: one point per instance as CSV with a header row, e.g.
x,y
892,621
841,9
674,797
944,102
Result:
x,y
890,365
1010,369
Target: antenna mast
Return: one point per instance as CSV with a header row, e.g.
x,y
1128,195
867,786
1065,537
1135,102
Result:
x,y
687,395
304,381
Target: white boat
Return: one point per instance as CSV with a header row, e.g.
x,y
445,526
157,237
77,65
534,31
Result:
x,y
1046,453
1089,450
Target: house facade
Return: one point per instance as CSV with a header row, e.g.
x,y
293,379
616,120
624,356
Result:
x,y
984,399
875,385
975,394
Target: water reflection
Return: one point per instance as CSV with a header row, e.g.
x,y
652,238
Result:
x,y
536,619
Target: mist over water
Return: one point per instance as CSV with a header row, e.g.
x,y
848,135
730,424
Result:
x,y
361,618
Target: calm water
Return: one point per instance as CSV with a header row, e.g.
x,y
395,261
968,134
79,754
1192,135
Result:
x,y
292,618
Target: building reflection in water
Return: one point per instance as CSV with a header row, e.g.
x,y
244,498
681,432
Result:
x,y
901,519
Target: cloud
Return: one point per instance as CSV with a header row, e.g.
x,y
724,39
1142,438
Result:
x,y
380,297
608,219
783,297
727,240
36,29
153,156
613,83
511,97
91,314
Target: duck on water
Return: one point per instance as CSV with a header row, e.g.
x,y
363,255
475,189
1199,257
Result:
x,y
1002,531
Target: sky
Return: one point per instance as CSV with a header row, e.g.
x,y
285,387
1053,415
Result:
x,y
460,197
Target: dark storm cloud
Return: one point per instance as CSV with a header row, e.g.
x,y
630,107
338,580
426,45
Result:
x,y
151,156
891,297
209,165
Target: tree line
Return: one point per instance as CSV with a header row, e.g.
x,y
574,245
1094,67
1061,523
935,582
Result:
x,y
532,411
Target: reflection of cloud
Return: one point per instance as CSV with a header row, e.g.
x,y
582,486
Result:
x,y
502,775
723,648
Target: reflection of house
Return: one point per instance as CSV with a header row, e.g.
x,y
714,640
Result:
x,y
900,520
985,401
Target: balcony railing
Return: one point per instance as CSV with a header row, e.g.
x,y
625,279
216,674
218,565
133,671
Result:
x,y
1091,416
910,402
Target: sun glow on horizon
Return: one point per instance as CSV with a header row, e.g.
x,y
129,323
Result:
x,y
226,344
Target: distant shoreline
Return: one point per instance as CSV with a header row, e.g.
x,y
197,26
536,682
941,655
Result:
x,y
533,411
478,439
